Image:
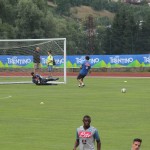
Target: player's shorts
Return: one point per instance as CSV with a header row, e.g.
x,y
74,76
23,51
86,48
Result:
x,y
50,68
36,65
80,76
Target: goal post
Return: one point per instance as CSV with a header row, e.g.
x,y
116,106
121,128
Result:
x,y
16,59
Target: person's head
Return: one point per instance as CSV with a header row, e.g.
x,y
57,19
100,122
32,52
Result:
x,y
87,57
86,121
136,144
32,73
37,49
49,52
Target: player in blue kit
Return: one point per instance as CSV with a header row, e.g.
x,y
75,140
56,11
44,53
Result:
x,y
85,69
86,136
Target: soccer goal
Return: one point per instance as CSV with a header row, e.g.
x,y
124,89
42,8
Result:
x,y
16,59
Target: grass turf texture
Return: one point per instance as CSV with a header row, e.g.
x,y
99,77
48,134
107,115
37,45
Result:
x,y
25,124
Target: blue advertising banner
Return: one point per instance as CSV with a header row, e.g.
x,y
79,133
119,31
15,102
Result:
x,y
111,61
97,61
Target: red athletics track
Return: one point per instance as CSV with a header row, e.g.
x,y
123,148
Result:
x,y
96,74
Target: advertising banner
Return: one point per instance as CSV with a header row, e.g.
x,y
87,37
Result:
x,y
97,61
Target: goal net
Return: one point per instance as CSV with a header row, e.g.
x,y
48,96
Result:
x,y
16,59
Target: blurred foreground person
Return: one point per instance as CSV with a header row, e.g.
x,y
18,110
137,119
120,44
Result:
x,y
136,144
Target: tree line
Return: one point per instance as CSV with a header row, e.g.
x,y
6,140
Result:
x,y
127,33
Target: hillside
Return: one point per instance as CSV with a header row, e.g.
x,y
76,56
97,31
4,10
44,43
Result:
x,y
51,4
84,11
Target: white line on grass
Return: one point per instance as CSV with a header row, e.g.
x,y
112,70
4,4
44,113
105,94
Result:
x,y
6,97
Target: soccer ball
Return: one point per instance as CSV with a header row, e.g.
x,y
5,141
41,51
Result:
x,y
123,90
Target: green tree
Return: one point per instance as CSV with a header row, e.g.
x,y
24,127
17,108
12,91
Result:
x,y
49,26
107,40
6,31
122,35
76,2
41,4
63,7
34,21
143,37
74,31
7,11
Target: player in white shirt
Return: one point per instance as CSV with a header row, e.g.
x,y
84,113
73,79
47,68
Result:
x,y
86,135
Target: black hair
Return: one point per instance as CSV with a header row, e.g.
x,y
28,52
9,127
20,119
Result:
x,y
50,51
32,73
137,140
87,116
87,57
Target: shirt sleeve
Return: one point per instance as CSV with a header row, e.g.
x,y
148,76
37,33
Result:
x,y
77,136
96,135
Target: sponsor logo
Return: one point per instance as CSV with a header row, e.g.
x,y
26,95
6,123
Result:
x,y
18,61
118,60
146,59
80,60
85,134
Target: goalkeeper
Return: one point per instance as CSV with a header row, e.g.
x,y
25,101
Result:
x,y
39,80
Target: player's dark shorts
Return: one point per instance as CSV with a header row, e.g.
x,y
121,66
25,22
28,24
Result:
x,y
80,76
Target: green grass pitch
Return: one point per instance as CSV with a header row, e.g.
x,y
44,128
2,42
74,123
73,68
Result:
x,y
25,124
